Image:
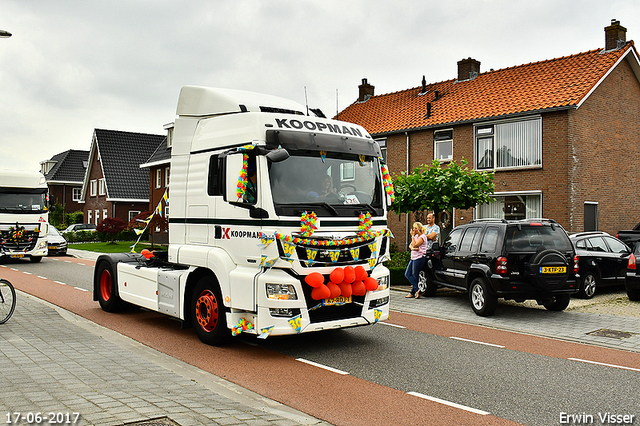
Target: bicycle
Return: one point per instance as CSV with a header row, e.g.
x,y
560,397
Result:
x,y
7,300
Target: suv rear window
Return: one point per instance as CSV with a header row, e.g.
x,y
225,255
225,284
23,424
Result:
x,y
532,238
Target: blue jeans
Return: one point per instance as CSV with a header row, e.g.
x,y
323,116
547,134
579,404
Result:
x,y
412,272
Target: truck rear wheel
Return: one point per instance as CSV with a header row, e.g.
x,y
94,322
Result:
x,y
208,313
106,289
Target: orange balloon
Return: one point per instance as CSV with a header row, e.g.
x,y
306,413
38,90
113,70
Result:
x,y
314,279
345,289
335,290
370,283
337,275
358,288
349,274
361,274
321,292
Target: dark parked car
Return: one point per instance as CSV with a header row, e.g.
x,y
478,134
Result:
x,y
496,258
603,261
56,242
632,283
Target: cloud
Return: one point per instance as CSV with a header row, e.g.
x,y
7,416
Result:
x,y
72,66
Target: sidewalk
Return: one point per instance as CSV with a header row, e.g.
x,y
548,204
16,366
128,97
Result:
x,y
54,362
580,323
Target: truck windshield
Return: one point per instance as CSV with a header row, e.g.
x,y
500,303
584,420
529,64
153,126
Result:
x,y
22,201
330,179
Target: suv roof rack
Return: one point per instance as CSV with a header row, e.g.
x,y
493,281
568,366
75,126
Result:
x,y
489,219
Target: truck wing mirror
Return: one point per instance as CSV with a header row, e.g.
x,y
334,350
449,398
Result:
x,y
277,155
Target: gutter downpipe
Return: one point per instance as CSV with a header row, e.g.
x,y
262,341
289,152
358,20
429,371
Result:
x,y
407,217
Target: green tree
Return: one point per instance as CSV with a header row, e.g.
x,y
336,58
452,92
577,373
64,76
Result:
x,y
441,188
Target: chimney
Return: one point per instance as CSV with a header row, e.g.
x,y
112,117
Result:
x,y
615,36
365,91
468,69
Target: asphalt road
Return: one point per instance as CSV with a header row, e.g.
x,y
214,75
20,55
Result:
x,y
491,374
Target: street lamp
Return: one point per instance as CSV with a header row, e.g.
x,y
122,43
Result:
x,y
5,34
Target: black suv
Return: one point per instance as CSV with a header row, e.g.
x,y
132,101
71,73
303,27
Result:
x,y
496,258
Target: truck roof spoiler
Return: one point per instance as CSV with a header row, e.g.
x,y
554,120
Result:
x,y
200,101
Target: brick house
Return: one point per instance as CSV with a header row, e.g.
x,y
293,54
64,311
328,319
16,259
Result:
x,y
561,135
64,173
159,165
114,184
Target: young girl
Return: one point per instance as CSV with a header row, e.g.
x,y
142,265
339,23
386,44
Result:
x,y
418,248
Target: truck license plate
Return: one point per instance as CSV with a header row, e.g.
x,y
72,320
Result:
x,y
553,269
53,247
340,300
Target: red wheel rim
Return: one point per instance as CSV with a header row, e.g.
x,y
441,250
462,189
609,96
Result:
x,y
105,285
207,310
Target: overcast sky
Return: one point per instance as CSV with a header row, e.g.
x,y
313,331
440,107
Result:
x,y
72,66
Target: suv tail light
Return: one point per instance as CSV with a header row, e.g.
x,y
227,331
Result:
x,y
632,262
576,265
501,266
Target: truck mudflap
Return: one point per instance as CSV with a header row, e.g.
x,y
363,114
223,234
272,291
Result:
x,y
113,259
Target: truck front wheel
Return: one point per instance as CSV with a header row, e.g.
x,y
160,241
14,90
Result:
x,y
208,313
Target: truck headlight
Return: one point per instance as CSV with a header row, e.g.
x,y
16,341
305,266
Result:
x,y
281,292
383,282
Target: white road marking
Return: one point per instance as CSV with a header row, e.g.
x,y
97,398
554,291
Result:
x,y
315,364
476,341
44,278
606,365
392,325
449,403
83,289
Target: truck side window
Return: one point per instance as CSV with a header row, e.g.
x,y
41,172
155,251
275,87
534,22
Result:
x,y
251,191
214,186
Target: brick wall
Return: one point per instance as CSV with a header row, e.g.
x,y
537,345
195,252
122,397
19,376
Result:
x,y
604,135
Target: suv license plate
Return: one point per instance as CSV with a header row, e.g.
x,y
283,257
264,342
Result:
x,y
553,269
17,255
340,300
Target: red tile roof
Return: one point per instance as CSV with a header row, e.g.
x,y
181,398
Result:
x,y
538,86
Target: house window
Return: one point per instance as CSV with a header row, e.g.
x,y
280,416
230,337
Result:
x,y
158,178
383,149
509,145
166,176
97,217
133,213
94,188
102,187
77,194
89,216
104,214
512,207
443,145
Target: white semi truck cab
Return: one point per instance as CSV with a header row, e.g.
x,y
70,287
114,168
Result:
x,y
24,215
277,223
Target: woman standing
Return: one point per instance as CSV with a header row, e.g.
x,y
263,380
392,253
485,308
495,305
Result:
x,y
418,248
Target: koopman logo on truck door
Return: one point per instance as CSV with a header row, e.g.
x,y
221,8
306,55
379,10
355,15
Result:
x,y
228,233
285,123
